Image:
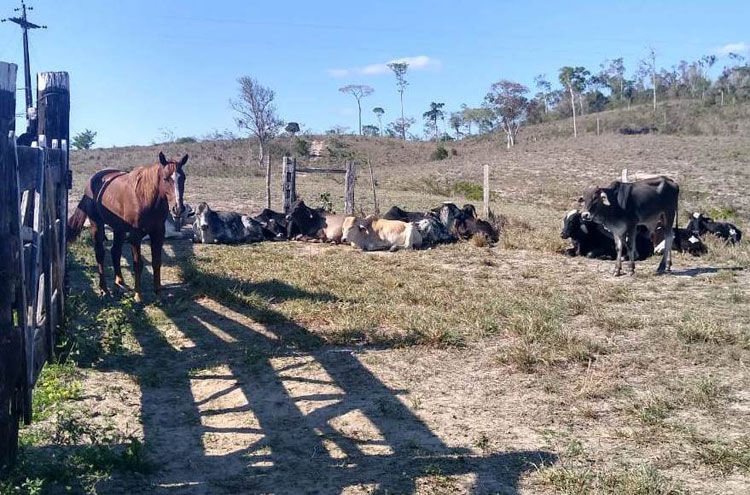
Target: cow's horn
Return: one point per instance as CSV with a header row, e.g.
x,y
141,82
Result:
x,y
605,199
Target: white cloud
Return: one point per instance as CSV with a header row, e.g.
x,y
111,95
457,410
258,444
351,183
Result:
x,y
419,62
738,48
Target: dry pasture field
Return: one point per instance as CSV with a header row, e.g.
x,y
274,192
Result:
x,y
296,368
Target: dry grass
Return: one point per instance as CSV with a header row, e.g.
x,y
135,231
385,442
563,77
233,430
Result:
x,y
636,384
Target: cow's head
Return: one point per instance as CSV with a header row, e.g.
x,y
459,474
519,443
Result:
x,y
356,230
306,220
469,211
571,224
448,214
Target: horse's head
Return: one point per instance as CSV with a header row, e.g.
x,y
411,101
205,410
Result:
x,y
173,183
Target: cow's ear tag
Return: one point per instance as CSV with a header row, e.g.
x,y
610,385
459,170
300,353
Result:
x,y
605,199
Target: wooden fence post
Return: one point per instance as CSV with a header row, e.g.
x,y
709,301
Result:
x,y
268,180
374,194
53,121
351,174
289,183
624,175
486,191
597,126
12,294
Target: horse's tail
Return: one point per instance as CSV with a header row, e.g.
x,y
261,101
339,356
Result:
x,y
76,221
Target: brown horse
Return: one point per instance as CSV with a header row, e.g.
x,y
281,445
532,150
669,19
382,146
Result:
x,y
134,204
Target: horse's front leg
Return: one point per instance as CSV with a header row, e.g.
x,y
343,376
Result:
x,y
119,240
137,267
97,231
157,241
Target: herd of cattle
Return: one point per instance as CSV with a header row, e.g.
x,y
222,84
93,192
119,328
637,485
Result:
x,y
635,220
397,229
622,221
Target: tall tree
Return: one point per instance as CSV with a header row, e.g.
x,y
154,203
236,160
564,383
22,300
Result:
x,y
399,70
379,113
574,80
257,114
509,102
433,114
456,121
358,91
545,88
653,72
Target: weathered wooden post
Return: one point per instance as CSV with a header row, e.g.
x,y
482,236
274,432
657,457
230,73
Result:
x,y
53,117
351,176
624,175
268,180
597,126
374,194
289,183
486,191
12,296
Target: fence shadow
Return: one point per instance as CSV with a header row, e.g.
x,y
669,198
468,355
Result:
x,y
238,398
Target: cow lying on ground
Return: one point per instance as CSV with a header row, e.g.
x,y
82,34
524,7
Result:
x,y
593,241
274,224
685,241
632,131
219,227
173,226
430,227
316,224
621,207
372,234
701,224
468,225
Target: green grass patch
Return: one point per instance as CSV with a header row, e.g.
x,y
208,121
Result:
x,y
575,480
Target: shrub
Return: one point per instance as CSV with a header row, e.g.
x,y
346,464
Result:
x,y
301,147
439,154
185,139
469,190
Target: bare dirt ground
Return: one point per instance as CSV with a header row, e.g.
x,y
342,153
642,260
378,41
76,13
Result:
x,y
293,368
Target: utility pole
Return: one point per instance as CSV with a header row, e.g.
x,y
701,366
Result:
x,y
653,73
25,26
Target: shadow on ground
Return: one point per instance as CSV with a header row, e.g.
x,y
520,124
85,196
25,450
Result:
x,y
236,398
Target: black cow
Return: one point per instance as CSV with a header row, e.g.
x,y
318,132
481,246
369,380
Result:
x,y
701,224
429,225
396,213
632,131
593,241
274,224
468,225
685,241
304,222
622,206
224,227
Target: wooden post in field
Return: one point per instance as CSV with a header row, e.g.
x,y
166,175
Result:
x,y
597,126
289,183
374,194
268,180
351,175
624,175
486,191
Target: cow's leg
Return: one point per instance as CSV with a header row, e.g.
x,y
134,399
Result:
x,y
137,267
157,242
631,249
618,255
666,260
119,239
97,231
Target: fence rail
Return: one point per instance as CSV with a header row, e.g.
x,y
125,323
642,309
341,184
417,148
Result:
x,y
34,184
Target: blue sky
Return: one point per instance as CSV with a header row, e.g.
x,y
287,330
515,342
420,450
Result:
x,y
141,66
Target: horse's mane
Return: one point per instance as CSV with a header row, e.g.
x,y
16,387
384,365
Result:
x,y
145,181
